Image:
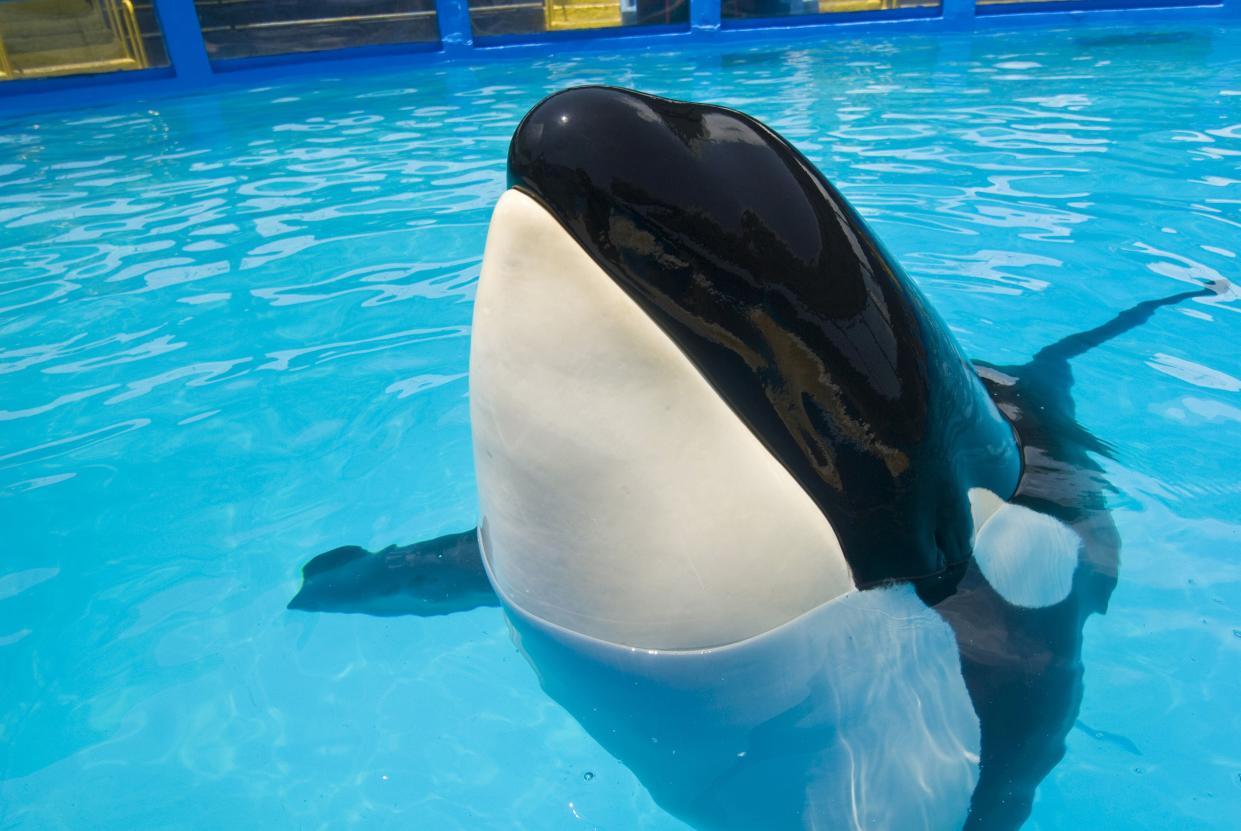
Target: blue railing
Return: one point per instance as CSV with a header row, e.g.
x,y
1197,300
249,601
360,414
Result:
x,y
189,66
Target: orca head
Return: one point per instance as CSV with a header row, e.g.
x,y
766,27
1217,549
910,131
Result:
x,y
705,400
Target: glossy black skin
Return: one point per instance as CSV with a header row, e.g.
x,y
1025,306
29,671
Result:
x,y
773,286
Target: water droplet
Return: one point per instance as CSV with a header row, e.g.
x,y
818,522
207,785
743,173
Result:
x,y
588,775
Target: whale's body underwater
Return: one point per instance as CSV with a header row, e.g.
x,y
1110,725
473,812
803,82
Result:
x,y
755,520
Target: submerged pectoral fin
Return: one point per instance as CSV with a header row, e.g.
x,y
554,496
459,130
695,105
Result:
x,y
434,577
1079,343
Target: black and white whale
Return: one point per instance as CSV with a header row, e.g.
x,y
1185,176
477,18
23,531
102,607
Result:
x,y
755,520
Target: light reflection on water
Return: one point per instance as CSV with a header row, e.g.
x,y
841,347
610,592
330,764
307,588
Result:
x,y
234,331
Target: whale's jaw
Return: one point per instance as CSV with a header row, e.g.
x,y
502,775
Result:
x,y
621,497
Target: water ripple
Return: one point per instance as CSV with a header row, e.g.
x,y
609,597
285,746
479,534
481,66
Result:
x,y
234,332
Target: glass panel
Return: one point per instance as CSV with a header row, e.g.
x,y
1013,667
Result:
x,y
510,17
733,9
246,28
42,38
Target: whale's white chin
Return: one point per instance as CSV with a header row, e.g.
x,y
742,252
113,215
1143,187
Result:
x,y
622,499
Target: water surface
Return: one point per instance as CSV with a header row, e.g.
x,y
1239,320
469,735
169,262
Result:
x,y
234,331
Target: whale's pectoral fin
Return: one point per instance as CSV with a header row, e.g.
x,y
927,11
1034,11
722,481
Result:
x,y
434,577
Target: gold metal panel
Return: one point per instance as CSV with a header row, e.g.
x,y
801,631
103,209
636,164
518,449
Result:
x,y
582,14
42,38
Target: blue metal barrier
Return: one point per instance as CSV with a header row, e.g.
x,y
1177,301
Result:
x,y
184,40
704,15
191,66
456,32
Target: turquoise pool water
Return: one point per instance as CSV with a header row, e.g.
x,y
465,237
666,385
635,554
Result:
x,y
234,332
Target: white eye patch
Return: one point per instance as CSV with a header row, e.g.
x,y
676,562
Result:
x,y
1026,556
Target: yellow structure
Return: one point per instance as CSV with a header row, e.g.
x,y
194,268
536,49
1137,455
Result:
x,y
826,6
581,14
41,38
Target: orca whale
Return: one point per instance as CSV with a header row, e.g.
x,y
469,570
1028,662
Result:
x,y
754,519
